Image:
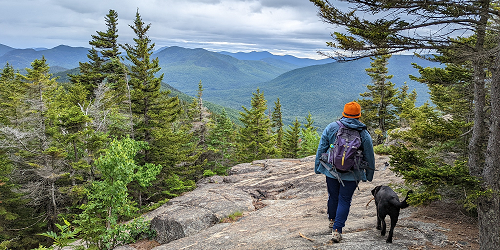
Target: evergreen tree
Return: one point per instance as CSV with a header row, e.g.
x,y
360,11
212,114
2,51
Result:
x,y
255,140
145,85
277,123
12,91
309,138
378,108
404,102
107,41
221,141
156,119
14,212
104,61
28,144
90,72
291,142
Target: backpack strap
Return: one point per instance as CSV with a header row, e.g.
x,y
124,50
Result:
x,y
332,171
341,125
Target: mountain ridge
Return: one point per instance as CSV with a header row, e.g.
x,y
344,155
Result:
x,y
321,89
63,56
265,55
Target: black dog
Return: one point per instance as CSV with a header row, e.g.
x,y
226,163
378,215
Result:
x,y
387,203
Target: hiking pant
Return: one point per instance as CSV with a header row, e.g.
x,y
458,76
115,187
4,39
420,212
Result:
x,y
339,201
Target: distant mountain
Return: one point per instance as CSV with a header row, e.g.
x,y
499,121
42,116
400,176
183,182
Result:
x,y
184,68
4,49
322,89
62,56
266,56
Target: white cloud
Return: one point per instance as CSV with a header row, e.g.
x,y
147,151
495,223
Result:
x,y
232,25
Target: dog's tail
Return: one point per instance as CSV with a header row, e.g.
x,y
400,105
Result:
x,y
404,203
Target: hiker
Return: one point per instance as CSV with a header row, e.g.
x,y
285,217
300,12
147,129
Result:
x,y
341,184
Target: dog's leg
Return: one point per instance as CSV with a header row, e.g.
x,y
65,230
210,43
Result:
x,y
378,220
394,220
384,226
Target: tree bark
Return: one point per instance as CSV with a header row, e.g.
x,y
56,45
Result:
x,y
476,157
489,207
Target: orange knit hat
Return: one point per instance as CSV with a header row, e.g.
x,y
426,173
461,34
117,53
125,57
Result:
x,y
352,110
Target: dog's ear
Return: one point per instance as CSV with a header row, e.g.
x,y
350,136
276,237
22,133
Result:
x,y
375,190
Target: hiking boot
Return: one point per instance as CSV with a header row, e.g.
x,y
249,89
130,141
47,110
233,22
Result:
x,y
331,224
336,236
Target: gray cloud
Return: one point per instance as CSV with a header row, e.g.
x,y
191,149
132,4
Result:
x,y
279,26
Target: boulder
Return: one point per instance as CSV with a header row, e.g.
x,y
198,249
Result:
x,y
180,221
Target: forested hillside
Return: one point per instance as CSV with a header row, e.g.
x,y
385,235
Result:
x,y
324,89
184,68
303,85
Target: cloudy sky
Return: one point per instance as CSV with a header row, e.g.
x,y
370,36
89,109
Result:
x,y
278,26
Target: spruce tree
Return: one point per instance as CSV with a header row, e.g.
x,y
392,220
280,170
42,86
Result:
x,y
255,139
404,103
145,93
12,91
198,115
221,141
30,144
104,61
277,123
378,103
291,140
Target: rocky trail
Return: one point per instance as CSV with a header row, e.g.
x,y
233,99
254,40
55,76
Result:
x,y
283,206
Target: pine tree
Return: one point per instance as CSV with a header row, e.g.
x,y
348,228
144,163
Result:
x,y
378,103
291,140
145,85
104,61
12,91
255,140
29,143
221,141
277,123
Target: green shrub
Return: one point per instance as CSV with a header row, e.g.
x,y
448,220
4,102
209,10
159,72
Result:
x,y
208,173
65,237
382,150
430,177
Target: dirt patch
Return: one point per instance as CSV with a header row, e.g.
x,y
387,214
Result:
x,y
462,232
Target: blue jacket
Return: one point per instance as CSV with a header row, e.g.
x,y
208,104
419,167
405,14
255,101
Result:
x,y
330,135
